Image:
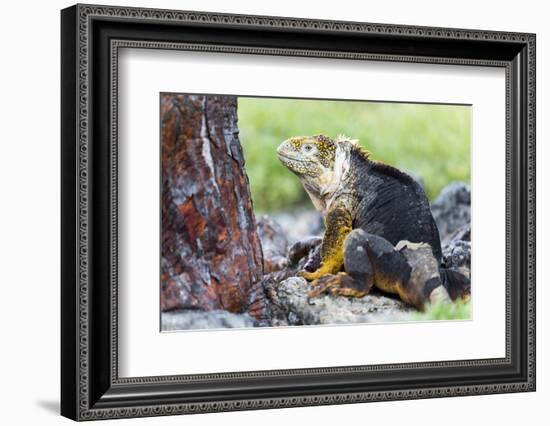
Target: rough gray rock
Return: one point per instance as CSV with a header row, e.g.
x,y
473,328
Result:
x,y
300,224
292,295
194,320
462,233
457,253
274,243
451,209
457,256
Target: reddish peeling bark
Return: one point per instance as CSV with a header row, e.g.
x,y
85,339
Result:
x,y
211,254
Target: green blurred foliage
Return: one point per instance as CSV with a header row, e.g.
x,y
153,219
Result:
x,y
432,141
446,311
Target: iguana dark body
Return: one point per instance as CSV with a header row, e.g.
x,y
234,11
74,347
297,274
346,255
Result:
x,y
378,224
389,203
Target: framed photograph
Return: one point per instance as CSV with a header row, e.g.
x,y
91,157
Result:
x,y
263,212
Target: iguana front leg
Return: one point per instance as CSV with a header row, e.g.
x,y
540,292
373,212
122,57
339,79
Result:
x,y
338,224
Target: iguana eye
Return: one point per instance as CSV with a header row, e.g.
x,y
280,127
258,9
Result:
x,y
308,148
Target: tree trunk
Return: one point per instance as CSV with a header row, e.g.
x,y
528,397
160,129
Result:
x,y
211,254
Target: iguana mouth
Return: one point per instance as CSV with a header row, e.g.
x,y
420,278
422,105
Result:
x,y
283,156
288,157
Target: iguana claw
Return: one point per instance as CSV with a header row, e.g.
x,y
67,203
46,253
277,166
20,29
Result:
x,y
311,276
325,283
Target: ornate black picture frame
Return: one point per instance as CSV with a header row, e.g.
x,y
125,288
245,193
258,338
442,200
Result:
x,y
90,38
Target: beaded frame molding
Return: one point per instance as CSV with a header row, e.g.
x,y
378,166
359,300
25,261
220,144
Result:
x,y
91,37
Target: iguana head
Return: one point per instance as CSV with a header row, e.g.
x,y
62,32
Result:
x,y
308,155
320,162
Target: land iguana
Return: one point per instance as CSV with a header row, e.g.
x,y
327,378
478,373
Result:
x,y
379,230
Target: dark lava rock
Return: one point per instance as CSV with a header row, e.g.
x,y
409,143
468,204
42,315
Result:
x,y
278,314
457,256
258,305
451,209
306,254
274,243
